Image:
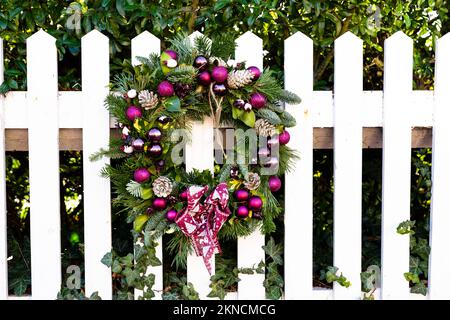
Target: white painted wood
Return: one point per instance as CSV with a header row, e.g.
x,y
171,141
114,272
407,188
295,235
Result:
x,y
3,223
298,215
142,46
439,263
348,86
250,49
45,232
398,66
199,155
97,198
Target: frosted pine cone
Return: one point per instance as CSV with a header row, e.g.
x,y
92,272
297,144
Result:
x,y
264,128
253,181
147,99
239,78
162,186
218,62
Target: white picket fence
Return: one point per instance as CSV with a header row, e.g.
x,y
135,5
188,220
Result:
x,y
43,110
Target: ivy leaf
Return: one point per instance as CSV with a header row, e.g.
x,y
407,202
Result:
x,y
422,249
409,276
173,104
367,280
248,118
414,265
274,251
116,267
419,288
406,226
107,259
139,251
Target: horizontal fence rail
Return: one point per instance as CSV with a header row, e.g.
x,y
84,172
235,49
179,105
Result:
x,y
347,119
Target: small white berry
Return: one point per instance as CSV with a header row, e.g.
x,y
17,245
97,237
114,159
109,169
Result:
x,y
171,63
247,107
118,94
128,149
132,94
125,131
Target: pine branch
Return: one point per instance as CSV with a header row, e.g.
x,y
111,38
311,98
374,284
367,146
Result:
x,y
183,74
287,119
134,188
223,46
289,97
202,46
183,47
269,115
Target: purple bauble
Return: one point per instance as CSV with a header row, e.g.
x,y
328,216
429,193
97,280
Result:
x,y
141,175
138,144
165,89
133,112
204,78
255,203
150,211
239,103
159,203
255,71
155,150
160,164
184,195
219,89
171,214
242,212
274,183
234,172
163,119
284,137
219,74
154,135
241,195
172,54
200,62
257,100
263,153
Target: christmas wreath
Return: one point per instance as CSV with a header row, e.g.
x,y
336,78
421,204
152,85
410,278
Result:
x,y
163,95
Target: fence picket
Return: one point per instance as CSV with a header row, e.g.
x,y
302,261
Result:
x,y
43,133
250,253
348,86
142,46
438,280
97,198
3,220
298,216
199,155
398,66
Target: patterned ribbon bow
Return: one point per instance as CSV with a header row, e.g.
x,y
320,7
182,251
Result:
x,y
202,222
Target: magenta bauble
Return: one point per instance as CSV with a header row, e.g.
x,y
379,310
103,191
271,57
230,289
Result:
x,y
241,195
154,135
257,100
255,203
133,112
284,137
141,175
160,164
150,211
138,144
172,54
165,89
163,119
219,89
155,150
255,71
242,212
239,103
184,195
274,183
159,203
171,214
204,78
200,62
219,74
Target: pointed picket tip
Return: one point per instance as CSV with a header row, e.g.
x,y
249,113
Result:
x,y
195,35
444,40
298,36
41,36
249,38
146,37
398,37
94,35
348,37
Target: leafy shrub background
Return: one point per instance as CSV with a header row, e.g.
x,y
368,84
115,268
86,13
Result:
x,y
273,21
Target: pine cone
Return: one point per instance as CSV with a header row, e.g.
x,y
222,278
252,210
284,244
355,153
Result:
x,y
264,128
182,90
239,78
162,186
253,181
147,99
218,62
